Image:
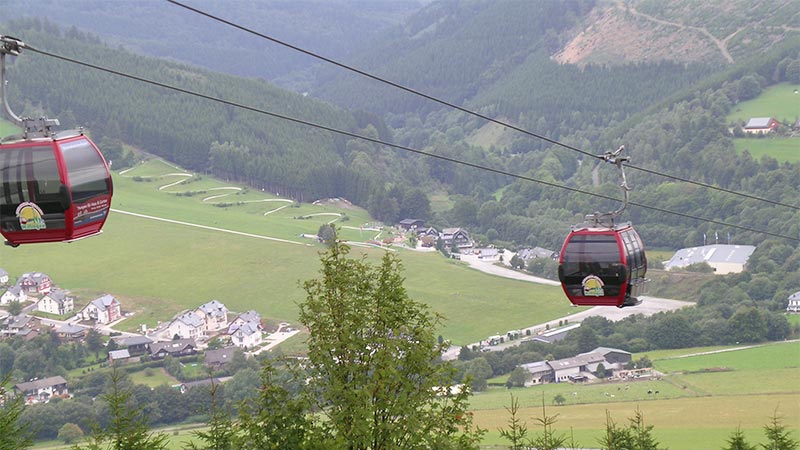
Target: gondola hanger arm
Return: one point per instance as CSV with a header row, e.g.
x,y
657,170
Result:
x,y
41,127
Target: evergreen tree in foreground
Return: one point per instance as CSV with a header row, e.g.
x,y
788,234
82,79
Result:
x,y
778,437
13,435
737,441
127,428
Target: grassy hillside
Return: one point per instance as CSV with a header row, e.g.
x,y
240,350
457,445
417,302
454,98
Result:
x,y
780,102
158,268
782,149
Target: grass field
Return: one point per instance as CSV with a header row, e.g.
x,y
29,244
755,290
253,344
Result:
x,y
153,377
691,410
778,101
158,268
782,149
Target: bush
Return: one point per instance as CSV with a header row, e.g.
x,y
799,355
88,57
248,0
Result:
x,y
70,433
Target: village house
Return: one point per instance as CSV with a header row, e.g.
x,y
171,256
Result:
x,y
247,335
136,345
214,314
71,332
457,237
13,294
761,125
411,224
35,283
246,331
186,326
216,359
56,302
102,310
3,276
180,347
41,391
23,325
724,259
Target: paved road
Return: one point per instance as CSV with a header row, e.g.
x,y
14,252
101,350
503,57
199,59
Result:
x,y
648,307
492,268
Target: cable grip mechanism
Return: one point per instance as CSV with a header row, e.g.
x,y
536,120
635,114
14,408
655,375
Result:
x,y
608,219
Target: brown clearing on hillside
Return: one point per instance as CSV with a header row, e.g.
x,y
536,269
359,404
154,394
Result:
x,y
616,36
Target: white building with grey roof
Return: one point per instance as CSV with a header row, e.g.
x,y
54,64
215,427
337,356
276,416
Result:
x,y
723,258
794,303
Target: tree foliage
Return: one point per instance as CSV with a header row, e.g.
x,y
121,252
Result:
x,y
14,435
127,427
373,361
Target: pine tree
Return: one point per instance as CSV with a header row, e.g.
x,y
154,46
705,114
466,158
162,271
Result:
x,y
777,436
13,435
517,430
738,442
128,429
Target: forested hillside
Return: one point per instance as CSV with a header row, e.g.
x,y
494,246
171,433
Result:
x,y
157,28
200,134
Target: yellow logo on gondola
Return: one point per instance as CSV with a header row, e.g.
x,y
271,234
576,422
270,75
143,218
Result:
x,y
30,216
593,286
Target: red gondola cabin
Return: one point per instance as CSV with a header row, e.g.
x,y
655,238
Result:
x,y
601,266
53,189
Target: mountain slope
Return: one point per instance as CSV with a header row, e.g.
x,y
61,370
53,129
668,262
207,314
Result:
x,y
158,28
680,30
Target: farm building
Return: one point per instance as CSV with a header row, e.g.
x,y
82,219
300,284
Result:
x,y
723,259
577,368
761,125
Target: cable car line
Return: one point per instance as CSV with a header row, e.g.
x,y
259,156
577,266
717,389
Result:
x,y
397,146
466,110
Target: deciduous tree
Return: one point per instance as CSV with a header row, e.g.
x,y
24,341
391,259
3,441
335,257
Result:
x,y
373,361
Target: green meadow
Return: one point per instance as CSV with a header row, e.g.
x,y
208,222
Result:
x,y
782,149
700,401
779,102
162,252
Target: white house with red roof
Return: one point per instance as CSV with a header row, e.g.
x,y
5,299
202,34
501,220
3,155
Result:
x,y
35,283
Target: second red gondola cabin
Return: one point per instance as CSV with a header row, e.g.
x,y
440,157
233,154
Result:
x,y
603,266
